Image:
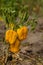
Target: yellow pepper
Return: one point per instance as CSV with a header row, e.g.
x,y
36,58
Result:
x,y
22,32
10,36
15,47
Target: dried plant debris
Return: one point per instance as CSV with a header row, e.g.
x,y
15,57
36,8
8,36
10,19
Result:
x,y
31,53
3,52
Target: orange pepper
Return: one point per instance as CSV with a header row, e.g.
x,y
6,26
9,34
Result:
x,y
22,32
15,47
10,36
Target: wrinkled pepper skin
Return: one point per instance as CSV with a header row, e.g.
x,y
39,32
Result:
x,y
15,47
22,32
10,36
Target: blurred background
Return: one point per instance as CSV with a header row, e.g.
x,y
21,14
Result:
x,y
34,6
20,10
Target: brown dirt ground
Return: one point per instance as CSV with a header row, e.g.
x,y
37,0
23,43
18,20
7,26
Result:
x,y
31,50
